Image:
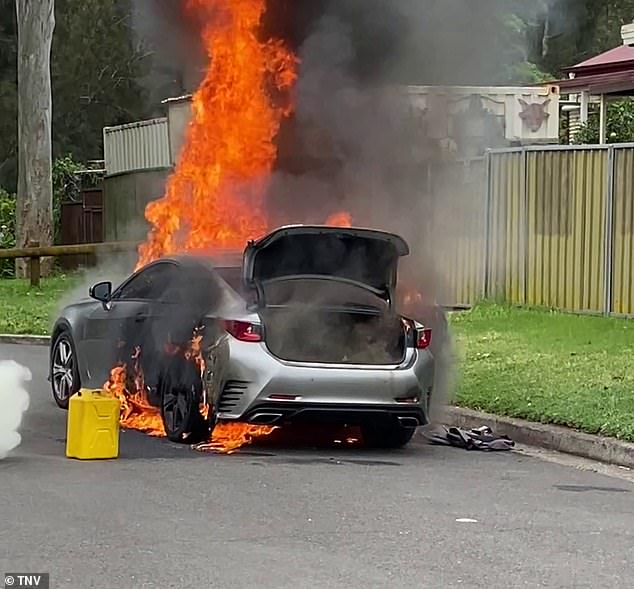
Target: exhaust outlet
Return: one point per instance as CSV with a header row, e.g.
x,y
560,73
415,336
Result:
x,y
265,418
408,421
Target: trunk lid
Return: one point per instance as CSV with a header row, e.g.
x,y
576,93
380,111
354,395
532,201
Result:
x,y
364,256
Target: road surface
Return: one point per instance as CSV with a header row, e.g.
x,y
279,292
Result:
x,y
164,516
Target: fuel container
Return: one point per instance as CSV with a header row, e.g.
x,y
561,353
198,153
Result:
x,y
92,431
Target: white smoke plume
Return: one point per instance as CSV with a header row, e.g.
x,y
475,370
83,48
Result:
x,y
14,402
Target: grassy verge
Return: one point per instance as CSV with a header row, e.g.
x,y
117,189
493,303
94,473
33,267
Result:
x,y
550,367
24,310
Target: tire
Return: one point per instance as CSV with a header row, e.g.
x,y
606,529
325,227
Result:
x,y
387,437
180,392
63,369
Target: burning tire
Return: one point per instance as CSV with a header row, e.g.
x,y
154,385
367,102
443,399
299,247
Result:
x,y
63,369
387,436
181,395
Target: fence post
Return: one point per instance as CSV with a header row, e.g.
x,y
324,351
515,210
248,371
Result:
x,y
486,289
525,228
34,265
608,253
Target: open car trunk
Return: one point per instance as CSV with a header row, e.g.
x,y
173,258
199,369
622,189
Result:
x,y
363,256
322,321
324,294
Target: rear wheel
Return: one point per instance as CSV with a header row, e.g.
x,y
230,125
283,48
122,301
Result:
x,y
387,436
181,393
64,371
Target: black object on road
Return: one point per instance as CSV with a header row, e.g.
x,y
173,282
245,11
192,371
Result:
x,y
481,438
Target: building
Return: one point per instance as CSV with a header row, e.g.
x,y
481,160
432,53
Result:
x,y
598,80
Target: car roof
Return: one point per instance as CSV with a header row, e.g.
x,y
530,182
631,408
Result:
x,y
217,259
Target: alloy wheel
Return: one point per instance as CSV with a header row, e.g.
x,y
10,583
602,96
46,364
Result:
x,y
63,371
176,408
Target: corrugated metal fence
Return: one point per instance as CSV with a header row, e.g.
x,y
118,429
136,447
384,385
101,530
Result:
x,y
555,229
136,146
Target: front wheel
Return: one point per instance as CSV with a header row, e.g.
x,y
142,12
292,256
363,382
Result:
x,y
181,394
387,436
63,369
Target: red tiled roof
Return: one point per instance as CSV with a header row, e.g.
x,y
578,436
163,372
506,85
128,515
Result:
x,y
606,82
612,71
615,56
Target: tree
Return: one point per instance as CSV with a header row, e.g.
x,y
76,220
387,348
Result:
x,y
97,68
542,37
99,72
34,214
561,33
8,96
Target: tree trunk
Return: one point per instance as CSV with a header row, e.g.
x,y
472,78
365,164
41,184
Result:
x,y
34,210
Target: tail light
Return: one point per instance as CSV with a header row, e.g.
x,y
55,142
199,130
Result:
x,y
419,336
423,338
244,331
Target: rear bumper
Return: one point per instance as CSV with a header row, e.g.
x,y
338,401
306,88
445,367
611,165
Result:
x,y
256,381
270,413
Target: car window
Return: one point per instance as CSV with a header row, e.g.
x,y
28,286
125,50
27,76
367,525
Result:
x,y
151,284
194,290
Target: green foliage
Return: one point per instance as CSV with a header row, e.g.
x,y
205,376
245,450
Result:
x,y
527,73
7,230
619,127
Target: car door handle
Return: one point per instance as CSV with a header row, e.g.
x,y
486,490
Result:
x,y
140,317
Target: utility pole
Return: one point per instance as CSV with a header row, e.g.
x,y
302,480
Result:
x,y
34,210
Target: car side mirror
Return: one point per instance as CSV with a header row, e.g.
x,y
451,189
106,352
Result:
x,y
102,292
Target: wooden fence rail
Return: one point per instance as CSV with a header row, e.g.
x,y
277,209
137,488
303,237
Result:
x,y
34,252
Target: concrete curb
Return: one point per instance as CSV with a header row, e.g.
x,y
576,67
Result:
x,y
29,340
549,437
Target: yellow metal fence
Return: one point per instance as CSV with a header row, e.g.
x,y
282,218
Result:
x,y
551,226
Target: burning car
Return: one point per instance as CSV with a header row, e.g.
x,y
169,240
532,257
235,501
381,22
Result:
x,y
300,327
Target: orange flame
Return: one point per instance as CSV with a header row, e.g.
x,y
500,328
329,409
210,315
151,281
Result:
x,y
228,437
136,410
340,219
215,196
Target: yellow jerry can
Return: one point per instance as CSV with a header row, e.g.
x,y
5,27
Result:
x,y
92,431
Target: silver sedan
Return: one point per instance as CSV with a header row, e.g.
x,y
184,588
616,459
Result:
x,y
301,326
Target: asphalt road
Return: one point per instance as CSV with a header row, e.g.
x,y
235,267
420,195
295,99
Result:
x,y
272,517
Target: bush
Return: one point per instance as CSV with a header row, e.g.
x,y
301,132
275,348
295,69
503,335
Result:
x,y
619,125
7,231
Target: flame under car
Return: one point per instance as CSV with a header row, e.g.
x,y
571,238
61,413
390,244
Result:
x,y
300,327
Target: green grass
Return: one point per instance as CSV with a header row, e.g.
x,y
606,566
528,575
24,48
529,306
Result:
x,y
546,366
539,365
24,310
